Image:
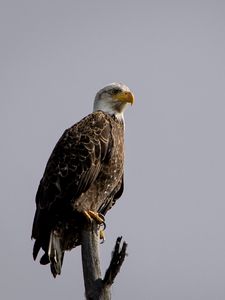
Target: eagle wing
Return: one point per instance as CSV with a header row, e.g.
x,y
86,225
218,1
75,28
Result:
x,y
73,165
76,160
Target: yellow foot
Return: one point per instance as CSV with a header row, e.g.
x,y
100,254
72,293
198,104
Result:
x,y
92,215
99,219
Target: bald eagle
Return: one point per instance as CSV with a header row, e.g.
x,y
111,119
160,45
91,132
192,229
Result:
x,y
83,177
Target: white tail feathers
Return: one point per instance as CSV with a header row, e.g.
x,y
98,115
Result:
x,y
55,253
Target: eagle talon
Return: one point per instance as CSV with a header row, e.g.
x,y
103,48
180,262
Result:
x,y
102,216
103,225
92,215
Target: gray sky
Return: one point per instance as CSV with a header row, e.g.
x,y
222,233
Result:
x,y
54,56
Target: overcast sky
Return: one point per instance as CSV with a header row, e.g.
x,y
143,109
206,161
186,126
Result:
x,y
54,57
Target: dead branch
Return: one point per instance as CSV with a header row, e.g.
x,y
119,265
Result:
x,y
97,288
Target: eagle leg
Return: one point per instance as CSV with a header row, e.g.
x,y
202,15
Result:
x,y
99,219
92,215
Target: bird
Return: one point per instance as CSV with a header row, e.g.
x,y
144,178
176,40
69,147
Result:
x,y
83,178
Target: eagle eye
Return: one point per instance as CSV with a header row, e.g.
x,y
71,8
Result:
x,y
115,91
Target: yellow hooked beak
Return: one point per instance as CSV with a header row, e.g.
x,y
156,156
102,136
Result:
x,y
125,96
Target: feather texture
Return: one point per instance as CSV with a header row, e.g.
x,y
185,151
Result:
x,y
84,171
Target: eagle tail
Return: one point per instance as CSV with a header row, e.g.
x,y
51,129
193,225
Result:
x,y
55,253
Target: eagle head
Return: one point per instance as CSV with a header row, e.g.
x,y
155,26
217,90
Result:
x,y
113,99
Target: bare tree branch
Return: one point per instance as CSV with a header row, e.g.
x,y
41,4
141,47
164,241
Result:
x,y
97,288
117,260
